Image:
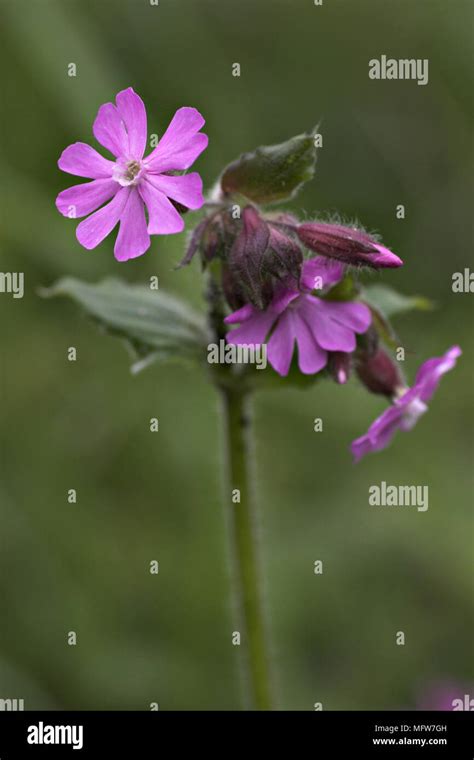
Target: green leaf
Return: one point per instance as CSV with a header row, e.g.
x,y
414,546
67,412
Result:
x,y
388,302
384,328
155,325
272,173
345,290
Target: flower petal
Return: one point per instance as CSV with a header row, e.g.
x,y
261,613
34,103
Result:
x,y
430,373
133,239
328,333
385,258
186,189
412,412
241,315
282,297
254,330
181,144
281,345
181,159
311,357
321,273
352,314
83,161
379,434
109,130
97,226
163,218
132,110
81,200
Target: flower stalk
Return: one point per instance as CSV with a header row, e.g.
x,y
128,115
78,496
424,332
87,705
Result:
x,y
244,544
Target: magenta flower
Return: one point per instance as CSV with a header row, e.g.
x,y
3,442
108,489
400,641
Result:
x,y
317,326
408,405
347,244
131,183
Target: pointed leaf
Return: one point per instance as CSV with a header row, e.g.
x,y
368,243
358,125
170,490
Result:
x,y
272,173
389,302
155,325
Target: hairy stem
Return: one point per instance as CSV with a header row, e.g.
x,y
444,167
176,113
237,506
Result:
x,y
243,529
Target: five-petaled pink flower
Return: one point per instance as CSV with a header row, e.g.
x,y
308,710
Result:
x,y
131,182
408,405
317,326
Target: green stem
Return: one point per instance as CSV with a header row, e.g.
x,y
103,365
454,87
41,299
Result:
x,y
242,521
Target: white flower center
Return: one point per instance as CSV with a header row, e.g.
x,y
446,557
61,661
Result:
x,y
127,172
412,412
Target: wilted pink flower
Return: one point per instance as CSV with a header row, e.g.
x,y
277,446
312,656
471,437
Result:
x,y
347,244
407,407
317,326
130,182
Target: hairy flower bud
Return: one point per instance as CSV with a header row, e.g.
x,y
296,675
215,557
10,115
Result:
x,y
379,373
261,253
211,237
247,252
285,256
193,244
233,292
346,244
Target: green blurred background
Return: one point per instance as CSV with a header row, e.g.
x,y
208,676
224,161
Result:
x,y
84,425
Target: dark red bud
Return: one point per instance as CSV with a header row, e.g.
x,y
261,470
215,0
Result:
x,y
379,373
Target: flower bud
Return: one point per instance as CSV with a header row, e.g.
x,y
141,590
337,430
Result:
x,y
233,292
194,242
346,244
379,373
339,366
209,238
285,256
247,252
261,253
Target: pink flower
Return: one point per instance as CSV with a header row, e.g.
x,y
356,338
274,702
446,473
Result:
x,y
407,407
131,182
317,326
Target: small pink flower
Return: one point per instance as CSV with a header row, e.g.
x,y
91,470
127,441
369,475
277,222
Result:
x,y
317,326
131,182
407,407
